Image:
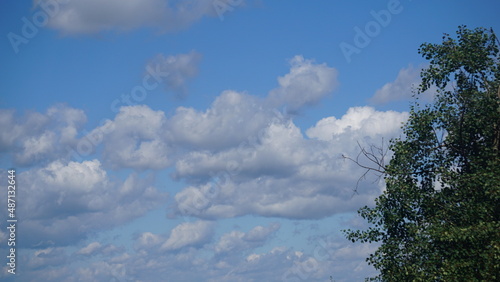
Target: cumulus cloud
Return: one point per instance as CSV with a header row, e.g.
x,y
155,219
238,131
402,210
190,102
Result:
x,y
148,240
136,138
90,249
175,70
64,202
283,173
55,256
237,241
94,16
402,88
306,84
238,157
188,234
364,120
232,256
230,120
35,138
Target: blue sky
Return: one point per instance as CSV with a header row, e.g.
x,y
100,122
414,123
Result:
x,y
202,140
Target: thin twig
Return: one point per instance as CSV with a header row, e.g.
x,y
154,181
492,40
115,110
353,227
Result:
x,y
376,155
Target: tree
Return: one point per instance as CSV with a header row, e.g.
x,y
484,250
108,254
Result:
x,y
438,218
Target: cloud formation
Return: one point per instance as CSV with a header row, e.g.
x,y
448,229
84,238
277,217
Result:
x,y
404,87
39,138
361,122
284,174
64,202
72,17
231,256
175,70
188,234
239,157
136,138
306,84
238,241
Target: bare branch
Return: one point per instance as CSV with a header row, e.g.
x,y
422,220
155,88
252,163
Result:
x,y
376,157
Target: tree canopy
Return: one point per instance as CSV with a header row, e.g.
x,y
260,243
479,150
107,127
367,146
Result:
x,y
438,218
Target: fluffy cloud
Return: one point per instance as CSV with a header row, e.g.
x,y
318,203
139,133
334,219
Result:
x,y
229,121
36,138
240,120
238,157
175,70
237,241
148,240
90,249
403,87
93,16
365,121
283,173
188,234
306,84
65,202
183,236
136,138
48,256
232,256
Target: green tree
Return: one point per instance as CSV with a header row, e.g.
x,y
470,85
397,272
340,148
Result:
x,y
438,219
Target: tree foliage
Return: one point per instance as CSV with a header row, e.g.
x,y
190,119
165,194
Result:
x,y
438,219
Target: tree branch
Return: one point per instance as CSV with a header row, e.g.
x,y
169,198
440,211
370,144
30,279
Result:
x,y
375,155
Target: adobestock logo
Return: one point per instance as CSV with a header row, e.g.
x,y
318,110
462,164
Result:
x,y
48,9
363,37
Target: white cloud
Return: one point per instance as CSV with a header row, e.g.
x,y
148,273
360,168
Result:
x,y
238,157
260,233
306,84
270,153
90,249
136,138
230,241
237,241
365,120
93,16
230,120
403,87
235,118
76,177
234,256
35,147
39,138
64,202
11,130
175,70
72,119
284,174
148,240
48,256
189,234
